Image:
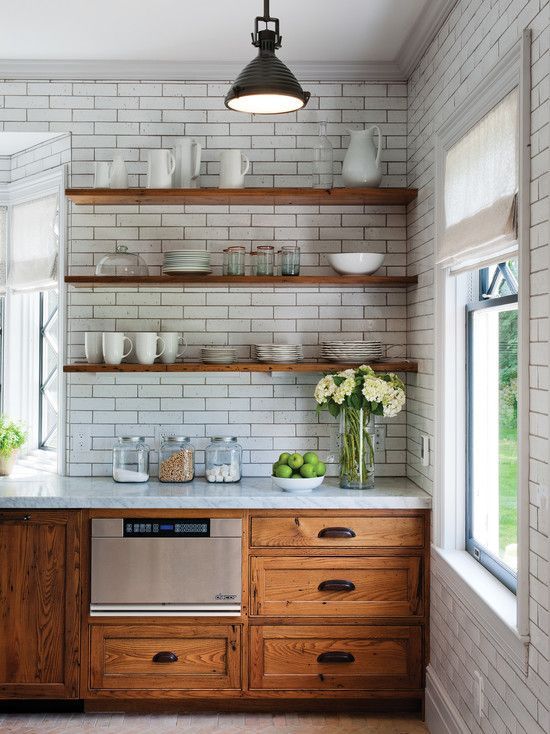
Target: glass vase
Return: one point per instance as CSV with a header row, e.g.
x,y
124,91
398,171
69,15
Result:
x,y
357,435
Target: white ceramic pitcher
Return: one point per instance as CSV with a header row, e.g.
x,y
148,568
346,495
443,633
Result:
x,y
161,165
361,165
187,153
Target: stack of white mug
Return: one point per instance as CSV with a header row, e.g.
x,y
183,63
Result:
x,y
109,347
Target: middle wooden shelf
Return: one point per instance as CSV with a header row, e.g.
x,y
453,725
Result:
x,y
397,365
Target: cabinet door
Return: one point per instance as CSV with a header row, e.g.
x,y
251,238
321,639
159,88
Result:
x,y
39,604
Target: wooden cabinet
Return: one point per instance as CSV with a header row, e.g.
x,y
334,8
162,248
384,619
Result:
x,y
157,657
328,657
39,604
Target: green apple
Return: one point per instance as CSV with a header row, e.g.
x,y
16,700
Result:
x,y
308,471
311,458
275,465
296,475
283,471
320,469
295,461
283,458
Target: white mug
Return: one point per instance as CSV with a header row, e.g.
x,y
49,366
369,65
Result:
x,y
146,347
187,153
161,166
172,341
102,175
93,347
231,169
113,347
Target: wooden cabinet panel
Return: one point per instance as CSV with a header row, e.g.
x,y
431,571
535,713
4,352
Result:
x,y
160,657
329,586
39,604
329,657
342,532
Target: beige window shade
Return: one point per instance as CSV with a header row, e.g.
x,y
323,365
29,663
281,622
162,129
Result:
x,y
34,242
481,184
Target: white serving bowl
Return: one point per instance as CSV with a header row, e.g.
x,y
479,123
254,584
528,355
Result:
x,y
355,263
298,485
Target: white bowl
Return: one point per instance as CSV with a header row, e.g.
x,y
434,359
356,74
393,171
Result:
x,y
298,485
355,263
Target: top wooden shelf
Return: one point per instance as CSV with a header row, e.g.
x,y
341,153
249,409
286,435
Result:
x,y
211,197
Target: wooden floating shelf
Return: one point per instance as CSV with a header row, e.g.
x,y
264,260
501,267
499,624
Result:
x,y
242,281
261,195
398,365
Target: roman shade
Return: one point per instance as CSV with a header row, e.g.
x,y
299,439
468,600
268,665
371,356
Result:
x,y
34,244
480,194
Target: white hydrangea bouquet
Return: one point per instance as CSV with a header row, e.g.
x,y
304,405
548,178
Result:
x,y
357,395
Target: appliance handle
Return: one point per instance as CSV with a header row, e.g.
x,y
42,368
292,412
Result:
x,y
165,657
336,657
336,533
336,585
15,518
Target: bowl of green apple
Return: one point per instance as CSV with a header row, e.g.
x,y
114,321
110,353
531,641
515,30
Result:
x,y
298,472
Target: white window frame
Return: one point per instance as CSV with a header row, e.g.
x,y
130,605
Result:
x,y
50,182
502,614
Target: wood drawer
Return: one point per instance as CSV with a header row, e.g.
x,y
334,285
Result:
x,y
343,532
323,658
202,657
329,586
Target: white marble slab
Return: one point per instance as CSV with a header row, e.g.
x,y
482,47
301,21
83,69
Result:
x,y
49,491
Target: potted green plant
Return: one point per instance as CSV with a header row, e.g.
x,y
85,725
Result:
x,y
12,437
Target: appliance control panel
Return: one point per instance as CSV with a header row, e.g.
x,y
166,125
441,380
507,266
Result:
x,y
172,528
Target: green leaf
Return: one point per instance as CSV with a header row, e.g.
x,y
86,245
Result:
x,y
355,400
334,409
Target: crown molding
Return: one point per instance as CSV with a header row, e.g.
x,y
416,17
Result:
x,y
141,70
422,34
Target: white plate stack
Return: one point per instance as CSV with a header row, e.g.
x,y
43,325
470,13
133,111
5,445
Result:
x,y
219,355
352,351
279,352
179,262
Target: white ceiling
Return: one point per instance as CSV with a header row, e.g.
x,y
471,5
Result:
x,y
315,32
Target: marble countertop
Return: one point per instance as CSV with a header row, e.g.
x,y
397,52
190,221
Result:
x,y
52,491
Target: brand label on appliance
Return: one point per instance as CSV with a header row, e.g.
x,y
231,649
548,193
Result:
x,y
225,597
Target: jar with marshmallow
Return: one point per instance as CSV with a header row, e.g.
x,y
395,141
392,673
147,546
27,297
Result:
x,y
223,459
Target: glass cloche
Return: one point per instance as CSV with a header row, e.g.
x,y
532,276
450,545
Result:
x,y
122,263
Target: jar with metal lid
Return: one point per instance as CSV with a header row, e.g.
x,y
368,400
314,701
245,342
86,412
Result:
x,y
176,459
122,263
131,459
223,459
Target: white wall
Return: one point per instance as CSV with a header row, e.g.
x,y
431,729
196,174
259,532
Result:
x,y
475,35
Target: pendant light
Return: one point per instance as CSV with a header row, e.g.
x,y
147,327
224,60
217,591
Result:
x,y
266,86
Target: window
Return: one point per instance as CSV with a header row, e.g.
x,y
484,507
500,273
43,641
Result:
x,y
48,398
492,421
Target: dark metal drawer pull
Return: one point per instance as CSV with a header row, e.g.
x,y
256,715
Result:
x,y
14,518
336,657
336,533
336,585
165,657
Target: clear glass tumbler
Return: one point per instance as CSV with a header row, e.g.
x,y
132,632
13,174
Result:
x,y
290,260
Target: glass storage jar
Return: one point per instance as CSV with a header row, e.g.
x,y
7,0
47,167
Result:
x,y
122,263
176,459
131,459
223,459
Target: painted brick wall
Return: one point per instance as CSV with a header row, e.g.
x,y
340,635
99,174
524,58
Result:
x,y
269,414
475,35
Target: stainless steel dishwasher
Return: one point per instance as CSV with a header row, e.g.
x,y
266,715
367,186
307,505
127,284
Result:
x,y
183,566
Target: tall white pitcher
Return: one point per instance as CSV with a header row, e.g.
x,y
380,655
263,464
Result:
x,y
361,165
161,164
187,153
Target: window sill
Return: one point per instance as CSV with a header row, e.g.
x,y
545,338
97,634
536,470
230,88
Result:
x,y
492,606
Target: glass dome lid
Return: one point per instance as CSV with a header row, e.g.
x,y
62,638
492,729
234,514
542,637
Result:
x,y
122,263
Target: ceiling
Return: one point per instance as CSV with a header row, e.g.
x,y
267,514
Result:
x,y
213,35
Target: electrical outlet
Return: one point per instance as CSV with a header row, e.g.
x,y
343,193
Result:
x,y
380,438
81,442
478,695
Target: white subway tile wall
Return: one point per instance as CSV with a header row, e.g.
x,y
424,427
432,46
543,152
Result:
x,y
269,413
474,36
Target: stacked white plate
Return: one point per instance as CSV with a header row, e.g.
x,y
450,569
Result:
x,y
186,261
219,355
352,351
279,352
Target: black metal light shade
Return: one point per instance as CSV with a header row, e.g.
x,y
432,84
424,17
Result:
x,y
266,85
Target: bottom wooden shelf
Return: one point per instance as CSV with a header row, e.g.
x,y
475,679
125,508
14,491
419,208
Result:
x,y
399,365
